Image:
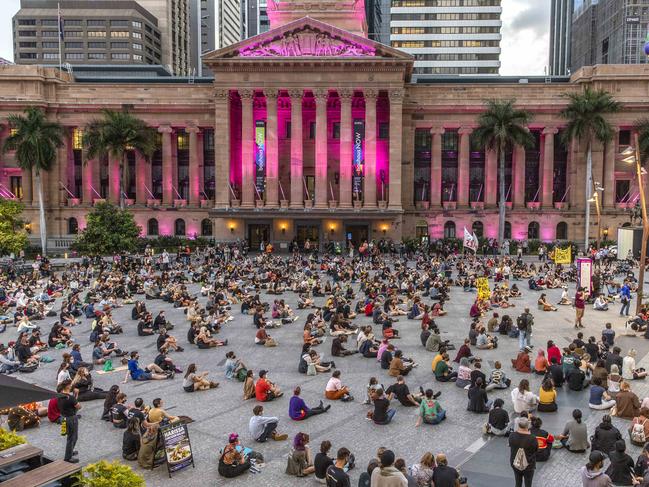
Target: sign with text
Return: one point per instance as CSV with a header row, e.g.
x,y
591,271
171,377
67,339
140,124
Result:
x,y
482,283
177,447
260,156
562,256
358,158
585,273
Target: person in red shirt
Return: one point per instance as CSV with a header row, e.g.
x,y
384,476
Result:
x,y
580,306
553,352
265,390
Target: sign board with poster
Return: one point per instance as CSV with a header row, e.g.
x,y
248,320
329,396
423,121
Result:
x,y
178,448
358,158
585,273
482,283
260,156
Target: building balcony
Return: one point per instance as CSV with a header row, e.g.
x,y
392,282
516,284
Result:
x,y
534,205
98,201
422,205
153,202
180,203
561,205
477,205
74,202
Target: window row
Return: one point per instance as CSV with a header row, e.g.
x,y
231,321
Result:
x,y
446,3
451,43
533,230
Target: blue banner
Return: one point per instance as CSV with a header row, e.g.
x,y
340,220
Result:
x,y
358,158
260,156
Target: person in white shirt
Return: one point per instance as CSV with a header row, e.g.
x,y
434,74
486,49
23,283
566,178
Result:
x,y
600,303
263,427
629,372
523,399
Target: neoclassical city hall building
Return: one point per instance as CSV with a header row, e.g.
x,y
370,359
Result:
x,y
311,130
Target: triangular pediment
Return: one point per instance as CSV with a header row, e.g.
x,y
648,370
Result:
x,y
310,38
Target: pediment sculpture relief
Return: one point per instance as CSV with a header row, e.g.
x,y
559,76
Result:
x,y
307,42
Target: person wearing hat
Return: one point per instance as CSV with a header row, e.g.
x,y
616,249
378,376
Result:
x,y
233,462
592,474
387,475
521,439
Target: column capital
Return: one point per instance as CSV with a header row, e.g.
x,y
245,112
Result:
x,y
370,95
396,96
345,95
222,94
465,130
550,131
321,95
271,93
246,95
437,131
165,129
295,94
192,129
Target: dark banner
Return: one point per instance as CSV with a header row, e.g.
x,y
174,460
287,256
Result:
x,y
358,158
178,449
260,155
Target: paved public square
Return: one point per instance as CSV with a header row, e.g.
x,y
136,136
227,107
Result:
x,y
219,412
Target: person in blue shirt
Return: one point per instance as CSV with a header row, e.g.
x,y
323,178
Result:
x,y
625,298
298,410
151,372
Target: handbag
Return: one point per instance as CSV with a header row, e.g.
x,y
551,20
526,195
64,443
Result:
x,y
108,365
311,370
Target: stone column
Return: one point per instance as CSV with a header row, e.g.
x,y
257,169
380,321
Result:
x,y
491,178
167,165
247,149
547,183
436,167
321,182
194,166
27,186
612,151
272,149
463,167
519,177
58,175
113,180
297,185
141,167
222,148
396,148
369,186
345,170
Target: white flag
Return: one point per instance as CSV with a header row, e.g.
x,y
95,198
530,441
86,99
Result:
x,y
470,241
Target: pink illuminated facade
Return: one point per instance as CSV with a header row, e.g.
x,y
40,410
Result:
x,y
313,131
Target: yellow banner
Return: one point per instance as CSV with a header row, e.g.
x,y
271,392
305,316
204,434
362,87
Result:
x,y
482,283
562,256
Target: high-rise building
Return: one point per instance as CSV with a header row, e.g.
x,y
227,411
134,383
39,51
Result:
x,y
560,33
217,23
609,32
377,13
447,36
94,32
174,25
254,17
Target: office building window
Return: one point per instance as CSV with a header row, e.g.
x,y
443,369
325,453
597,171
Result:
x,y
96,45
49,33
76,22
27,33
16,186
137,35
96,23
96,55
50,22
28,55
74,55
73,33
70,45
120,55
28,44
137,57
119,23
96,33
137,47
137,24
119,45
119,33
77,138
50,55
26,21
51,45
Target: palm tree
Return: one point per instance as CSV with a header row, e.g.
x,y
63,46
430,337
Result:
x,y
501,127
113,136
35,140
585,114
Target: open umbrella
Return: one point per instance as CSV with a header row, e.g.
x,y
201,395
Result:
x,y
14,392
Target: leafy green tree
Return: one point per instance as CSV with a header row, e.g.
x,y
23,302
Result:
x,y
105,474
113,136
585,114
13,238
35,140
109,230
501,127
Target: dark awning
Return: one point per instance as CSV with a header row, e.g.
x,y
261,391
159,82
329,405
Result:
x,y
14,392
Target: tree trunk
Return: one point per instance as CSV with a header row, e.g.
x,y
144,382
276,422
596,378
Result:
x,y
589,189
503,198
41,214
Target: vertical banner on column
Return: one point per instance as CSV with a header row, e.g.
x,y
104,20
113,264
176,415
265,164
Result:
x,y
260,156
358,158
585,273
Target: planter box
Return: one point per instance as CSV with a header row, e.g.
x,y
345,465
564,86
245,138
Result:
x,y
561,206
153,202
235,203
384,204
180,203
129,202
534,205
624,206
259,203
308,203
207,203
477,205
450,205
284,204
98,201
74,201
333,204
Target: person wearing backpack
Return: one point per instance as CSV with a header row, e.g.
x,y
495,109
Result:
x,y
523,447
524,323
639,429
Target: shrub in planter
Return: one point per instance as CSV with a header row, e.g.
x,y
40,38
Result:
x,y
10,439
105,474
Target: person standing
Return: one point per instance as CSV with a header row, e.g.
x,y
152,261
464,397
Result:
x,y
525,322
68,406
523,447
625,299
580,306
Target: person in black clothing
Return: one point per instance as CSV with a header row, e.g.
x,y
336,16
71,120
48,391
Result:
x,y
605,437
131,440
543,438
364,480
161,322
382,412
322,461
68,406
478,373
556,373
336,475
621,468
614,358
592,349
163,361
521,438
387,357
401,391
443,475
498,422
478,400
576,378
338,347
145,325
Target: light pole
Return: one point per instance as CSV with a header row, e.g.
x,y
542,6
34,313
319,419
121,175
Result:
x,y
598,208
632,155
